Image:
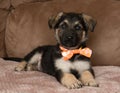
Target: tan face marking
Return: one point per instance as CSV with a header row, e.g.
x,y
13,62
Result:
x,y
66,21
84,37
57,35
78,23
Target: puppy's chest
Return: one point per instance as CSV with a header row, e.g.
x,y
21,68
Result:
x,y
66,66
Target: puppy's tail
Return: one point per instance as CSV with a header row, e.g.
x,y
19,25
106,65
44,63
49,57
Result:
x,y
13,59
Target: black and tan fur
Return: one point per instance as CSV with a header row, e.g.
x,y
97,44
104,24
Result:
x,y
71,32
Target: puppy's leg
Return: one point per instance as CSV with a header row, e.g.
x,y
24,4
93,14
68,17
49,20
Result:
x,y
21,66
70,81
88,79
31,61
34,63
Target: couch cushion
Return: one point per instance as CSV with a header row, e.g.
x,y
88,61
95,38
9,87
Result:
x,y
105,40
4,4
108,78
27,27
15,3
3,16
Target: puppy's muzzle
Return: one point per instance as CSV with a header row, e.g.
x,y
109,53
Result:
x,y
69,39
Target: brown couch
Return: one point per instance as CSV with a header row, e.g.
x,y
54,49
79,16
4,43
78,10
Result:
x,y
24,26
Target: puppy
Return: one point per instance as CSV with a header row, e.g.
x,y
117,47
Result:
x,y
68,60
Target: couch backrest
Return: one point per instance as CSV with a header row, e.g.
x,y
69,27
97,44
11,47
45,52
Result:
x,y
27,27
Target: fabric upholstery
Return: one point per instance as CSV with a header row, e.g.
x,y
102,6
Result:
x,y
38,82
16,3
27,28
3,16
4,4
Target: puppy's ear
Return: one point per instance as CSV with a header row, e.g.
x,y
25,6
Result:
x,y
89,22
53,20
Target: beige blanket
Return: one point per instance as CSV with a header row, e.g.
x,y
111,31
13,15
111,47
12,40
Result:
x,y
37,82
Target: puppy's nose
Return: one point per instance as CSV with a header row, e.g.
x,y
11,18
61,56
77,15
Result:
x,y
70,37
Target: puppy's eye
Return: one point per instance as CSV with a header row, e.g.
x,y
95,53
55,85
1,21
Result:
x,y
63,26
77,27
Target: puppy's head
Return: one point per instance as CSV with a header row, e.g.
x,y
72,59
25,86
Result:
x,y
71,28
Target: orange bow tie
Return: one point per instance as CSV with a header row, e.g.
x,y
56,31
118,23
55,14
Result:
x,y
67,54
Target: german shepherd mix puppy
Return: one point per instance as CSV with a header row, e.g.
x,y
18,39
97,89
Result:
x,y
69,60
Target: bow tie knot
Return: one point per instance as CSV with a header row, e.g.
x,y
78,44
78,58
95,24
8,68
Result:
x,y
67,54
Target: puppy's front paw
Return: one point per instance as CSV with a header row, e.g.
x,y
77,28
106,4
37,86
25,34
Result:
x,y
88,79
70,81
91,82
